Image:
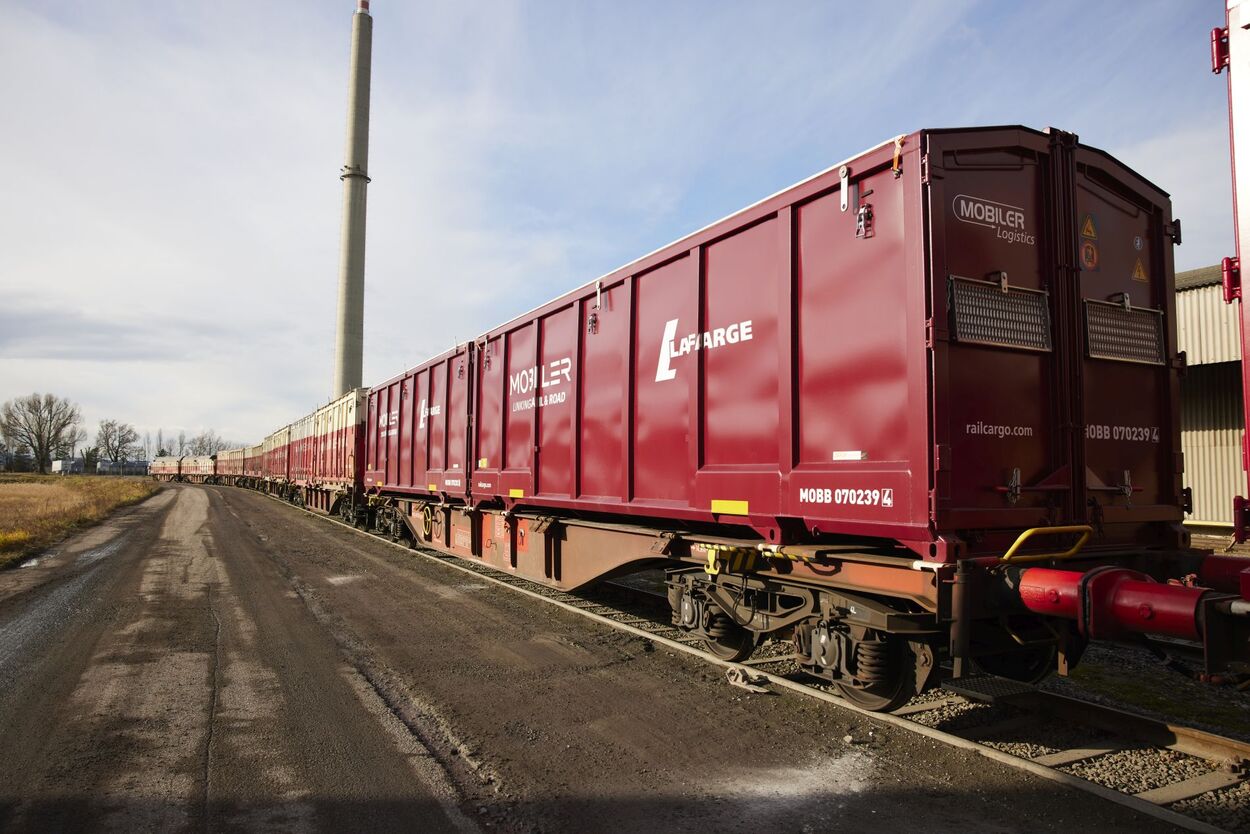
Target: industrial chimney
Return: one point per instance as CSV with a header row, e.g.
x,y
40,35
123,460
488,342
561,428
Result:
x,y
349,347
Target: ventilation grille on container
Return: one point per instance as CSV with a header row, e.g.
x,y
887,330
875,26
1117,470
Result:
x,y
1132,335
987,313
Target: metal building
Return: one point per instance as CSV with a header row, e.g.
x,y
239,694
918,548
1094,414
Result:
x,y
1211,413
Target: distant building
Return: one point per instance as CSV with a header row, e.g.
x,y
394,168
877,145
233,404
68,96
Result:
x,y
68,466
126,467
1212,424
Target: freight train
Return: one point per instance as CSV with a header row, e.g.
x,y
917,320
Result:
x,y
917,414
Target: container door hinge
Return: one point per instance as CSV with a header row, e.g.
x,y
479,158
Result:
x,y
930,334
924,169
1173,230
933,501
1230,273
1219,49
941,457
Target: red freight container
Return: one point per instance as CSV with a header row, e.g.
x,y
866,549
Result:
x,y
325,450
339,446
301,451
164,468
958,343
230,465
893,348
198,469
254,462
417,426
277,460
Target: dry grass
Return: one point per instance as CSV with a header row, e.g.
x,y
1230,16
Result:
x,y
38,510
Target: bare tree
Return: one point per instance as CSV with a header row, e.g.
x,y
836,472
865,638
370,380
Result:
x,y
68,447
207,443
44,423
161,451
147,445
182,443
116,440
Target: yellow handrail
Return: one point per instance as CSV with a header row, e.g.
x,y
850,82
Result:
x,y
1084,529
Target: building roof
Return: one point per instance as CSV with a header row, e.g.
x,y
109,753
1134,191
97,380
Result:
x,y
1203,277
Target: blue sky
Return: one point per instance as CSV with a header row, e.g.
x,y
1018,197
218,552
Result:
x,y
171,206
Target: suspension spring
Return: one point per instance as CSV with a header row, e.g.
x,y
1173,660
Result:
x,y
872,660
719,625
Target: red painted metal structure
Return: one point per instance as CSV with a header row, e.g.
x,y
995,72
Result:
x,y
230,466
919,413
165,468
326,451
768,371
1230,49
901,378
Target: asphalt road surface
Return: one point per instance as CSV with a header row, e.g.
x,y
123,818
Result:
x,y
212,660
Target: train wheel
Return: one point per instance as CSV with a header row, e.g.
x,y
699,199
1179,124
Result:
x,y
728,640
1030,665
892,665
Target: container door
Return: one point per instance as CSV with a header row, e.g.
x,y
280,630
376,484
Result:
x,y
999,460
1130,461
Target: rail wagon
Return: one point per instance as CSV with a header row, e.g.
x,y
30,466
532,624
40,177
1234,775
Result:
x,y
198,469
917,412
326,454
230,466
276,462
338,453
254,466
165,468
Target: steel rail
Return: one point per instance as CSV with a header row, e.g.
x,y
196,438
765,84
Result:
x,y
553,597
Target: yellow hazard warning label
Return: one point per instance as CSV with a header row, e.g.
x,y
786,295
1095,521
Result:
x,y
1139,271
1088,230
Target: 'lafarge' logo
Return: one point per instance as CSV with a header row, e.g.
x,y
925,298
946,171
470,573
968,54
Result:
x,y
1008,222
671,348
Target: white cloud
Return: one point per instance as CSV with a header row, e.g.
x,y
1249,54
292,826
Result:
x,y
171,201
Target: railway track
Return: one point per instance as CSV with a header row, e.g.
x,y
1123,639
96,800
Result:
x,y
1196,780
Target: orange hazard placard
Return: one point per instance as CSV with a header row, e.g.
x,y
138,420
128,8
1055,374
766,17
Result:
x,y
1139,271
1089,255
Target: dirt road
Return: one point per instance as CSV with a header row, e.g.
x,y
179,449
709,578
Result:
x,y
212,660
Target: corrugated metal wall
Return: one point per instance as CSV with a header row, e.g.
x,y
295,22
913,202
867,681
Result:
x,y
1206,327
1211,431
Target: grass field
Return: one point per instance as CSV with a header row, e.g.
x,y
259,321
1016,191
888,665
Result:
x,y
38,510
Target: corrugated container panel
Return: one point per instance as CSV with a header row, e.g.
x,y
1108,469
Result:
x,y
336,437
301,452
1211,436
254,461
230,461
1206,327
277,447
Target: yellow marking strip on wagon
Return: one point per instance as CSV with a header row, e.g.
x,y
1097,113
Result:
x,y
722,506
516,493
433,487
481,463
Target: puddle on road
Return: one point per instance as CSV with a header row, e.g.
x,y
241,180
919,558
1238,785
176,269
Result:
x,y
30,563
343,580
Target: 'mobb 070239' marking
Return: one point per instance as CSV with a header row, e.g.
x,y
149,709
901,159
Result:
x,y
854,497
1139,434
